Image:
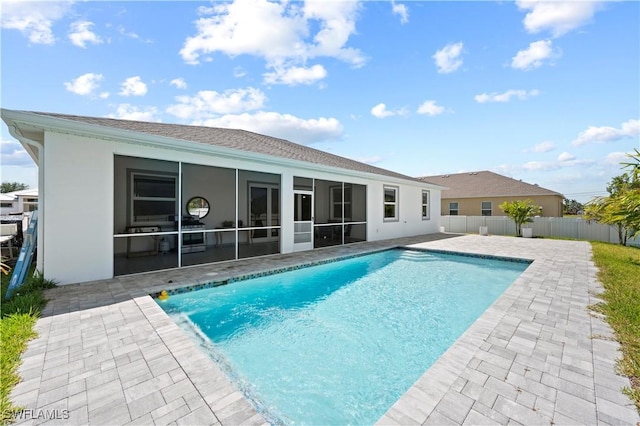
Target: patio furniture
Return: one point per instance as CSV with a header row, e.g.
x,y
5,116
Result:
x,y
8,232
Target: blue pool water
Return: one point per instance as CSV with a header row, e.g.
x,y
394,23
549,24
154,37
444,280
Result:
x,y
339,343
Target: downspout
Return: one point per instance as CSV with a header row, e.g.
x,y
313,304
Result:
x,y
40,240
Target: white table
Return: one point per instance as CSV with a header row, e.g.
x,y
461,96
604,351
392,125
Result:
x,y
8,238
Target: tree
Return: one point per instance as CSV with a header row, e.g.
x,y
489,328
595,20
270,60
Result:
x,y
607,210
521,212
630,199
572,207
12,186
634,164
621,209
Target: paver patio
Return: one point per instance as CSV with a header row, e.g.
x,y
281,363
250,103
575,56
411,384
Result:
x,y
108,354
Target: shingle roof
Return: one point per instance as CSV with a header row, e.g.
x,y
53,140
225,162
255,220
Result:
x,y
233,138
485,184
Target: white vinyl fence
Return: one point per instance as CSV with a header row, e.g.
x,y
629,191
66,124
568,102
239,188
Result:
x,y
542,227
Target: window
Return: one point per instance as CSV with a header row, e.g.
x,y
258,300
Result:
x,y
453,209
486,208
153,198
390,203
425,205
337,203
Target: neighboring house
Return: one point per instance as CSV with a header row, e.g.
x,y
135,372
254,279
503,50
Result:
x,y
120,197
18,202
481,193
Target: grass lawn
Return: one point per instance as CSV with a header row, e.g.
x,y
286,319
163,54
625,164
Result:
x,y
619,273
18,317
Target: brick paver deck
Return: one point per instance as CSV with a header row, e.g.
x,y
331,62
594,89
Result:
x,y
107,354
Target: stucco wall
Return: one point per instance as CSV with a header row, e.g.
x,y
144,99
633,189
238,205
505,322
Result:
x,y
551,205
78,217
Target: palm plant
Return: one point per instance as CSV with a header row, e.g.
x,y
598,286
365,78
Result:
x,y
521,212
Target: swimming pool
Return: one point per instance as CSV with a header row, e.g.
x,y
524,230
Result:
x,y
339,343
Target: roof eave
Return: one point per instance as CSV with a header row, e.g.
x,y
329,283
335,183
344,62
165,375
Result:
x,y
78,128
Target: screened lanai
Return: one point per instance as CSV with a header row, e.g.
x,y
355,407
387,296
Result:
x,y
174,214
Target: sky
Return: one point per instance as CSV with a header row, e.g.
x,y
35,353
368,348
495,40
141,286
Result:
x,y
545,92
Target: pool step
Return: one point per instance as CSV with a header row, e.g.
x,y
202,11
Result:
x,y
416,256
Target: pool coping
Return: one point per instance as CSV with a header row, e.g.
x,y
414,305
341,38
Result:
x,y
469,383
437,380
109,354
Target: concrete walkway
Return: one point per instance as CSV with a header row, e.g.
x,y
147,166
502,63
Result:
x,y
108,354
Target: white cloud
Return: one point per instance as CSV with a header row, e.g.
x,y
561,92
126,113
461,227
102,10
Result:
x,y
13,154
603,134
123,31
84,85
33,19
133,86
534,55
506,96
539,165
285,126
558,17
401,10
209,102
374,159
239,72
179,83
616,158
131,112
566,156
448,58
295,75
563,162
542,147
80,34
430,108
381,111
285,34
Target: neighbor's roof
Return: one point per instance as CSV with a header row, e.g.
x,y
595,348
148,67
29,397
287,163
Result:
x,y
29,192
485,184
231,138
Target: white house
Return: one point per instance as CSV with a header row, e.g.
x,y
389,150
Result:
x,y
120,197
17,202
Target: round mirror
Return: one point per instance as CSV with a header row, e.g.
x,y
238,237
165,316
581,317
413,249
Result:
x,y
198,207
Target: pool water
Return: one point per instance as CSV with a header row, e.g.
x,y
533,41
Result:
x,y
339,343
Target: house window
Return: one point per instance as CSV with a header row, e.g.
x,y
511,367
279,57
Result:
x,y
6,205
453,209
153,198
486,208
425,205
338,203
390,203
